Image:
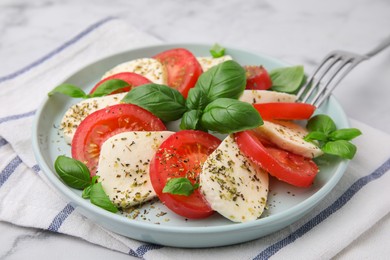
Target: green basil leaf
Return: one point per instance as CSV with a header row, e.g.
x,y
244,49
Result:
x,y
287,79
196,99
86,192
180,186
99,198
217,51
226,80
166,103
69,90
226,116
321,123
109,86
316,135
345,134
191,120
74,173
94,179
342,148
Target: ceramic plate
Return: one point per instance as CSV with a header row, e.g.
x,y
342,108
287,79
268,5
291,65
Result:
x,y
153,222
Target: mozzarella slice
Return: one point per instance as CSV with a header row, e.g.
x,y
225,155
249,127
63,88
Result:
x,y
150,68
76,113
266,96
208,62
232,185
289,136
124,166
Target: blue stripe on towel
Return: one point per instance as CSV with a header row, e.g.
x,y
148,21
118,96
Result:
x,y
3,142
36,168
9,169
60,218
57,50
17,116
133,253
143,249
339,203
45,58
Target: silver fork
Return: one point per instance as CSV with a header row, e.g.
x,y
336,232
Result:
x,y
332,69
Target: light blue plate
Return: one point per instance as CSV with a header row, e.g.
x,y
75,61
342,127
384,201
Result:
x,y
287,204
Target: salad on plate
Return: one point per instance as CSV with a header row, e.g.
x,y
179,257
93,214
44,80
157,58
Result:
x,y
201,134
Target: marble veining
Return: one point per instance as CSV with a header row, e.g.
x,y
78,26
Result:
x,y
27,243
21,240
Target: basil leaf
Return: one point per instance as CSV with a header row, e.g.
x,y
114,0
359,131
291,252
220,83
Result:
x,y
166,103
321,123
190,120
109,86
316,135
99,198
287,79
180,186
94,179
87,192
69,90
196,99
226,115
342,148
217,51
345,134
226,80
332,141
74,173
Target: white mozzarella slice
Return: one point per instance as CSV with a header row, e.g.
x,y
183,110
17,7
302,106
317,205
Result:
x,y
232,185
266,96
208,62
289,136
124,166
150,68
76,113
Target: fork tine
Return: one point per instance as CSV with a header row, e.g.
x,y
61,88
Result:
x,y
331,84
306,91
337,62
314,83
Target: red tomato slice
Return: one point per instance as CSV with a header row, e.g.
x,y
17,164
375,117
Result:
x,y
257,77
182,155
182,67
285,166
285,111
104,123
133,79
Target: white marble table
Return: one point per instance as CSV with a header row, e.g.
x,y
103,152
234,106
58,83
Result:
x,y
299,32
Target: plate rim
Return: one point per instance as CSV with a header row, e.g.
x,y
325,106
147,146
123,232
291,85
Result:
x,y
73,198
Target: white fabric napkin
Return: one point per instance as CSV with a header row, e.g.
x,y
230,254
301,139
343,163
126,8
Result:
x,y
359,201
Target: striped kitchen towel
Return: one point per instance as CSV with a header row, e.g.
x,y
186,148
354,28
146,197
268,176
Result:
x,y
358,202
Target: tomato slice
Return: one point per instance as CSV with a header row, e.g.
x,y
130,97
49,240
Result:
x,y
285,166
133,79
257,77
104,123
285,111
182,155
182,67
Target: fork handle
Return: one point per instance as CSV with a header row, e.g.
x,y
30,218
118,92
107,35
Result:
x,y
384,44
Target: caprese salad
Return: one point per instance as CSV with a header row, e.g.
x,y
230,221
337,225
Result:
x,y
202,134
